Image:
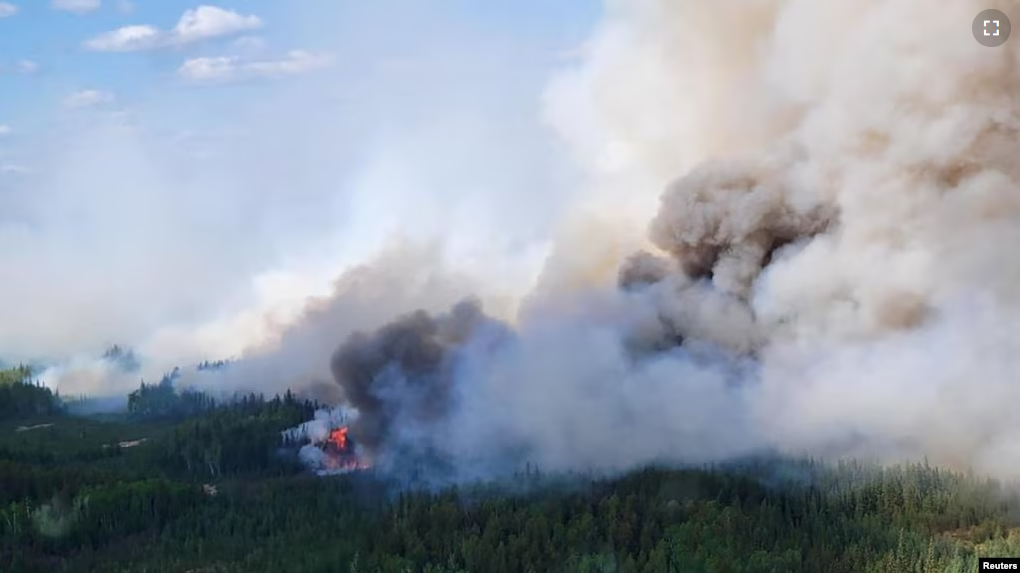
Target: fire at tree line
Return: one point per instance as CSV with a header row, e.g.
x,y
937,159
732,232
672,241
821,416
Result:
x,y
182,482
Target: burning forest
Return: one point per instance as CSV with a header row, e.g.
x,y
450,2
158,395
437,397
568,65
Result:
x,y
325,445
340,455
825,271
734,231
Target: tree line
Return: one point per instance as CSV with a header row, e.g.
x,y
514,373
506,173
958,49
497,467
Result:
x,y
210,487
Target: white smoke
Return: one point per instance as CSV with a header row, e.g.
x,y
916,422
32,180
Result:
x,y
318,428
297,354
824,198
833,249
87,376
191,230
882,155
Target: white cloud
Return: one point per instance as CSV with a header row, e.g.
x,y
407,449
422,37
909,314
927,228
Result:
x,y
76,6
125,7
7,9
211,22
202,23
87,98
5,129
233,68
203,69
126,39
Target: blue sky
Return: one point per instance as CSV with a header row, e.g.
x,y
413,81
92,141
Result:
x,y
159,160
356,35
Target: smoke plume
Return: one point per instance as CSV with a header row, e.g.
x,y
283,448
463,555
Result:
x,y
794,233
403,371
828,270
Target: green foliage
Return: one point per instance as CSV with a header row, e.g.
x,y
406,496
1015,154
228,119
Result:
x,y
855,518
240,438
213,493
21,398
163,400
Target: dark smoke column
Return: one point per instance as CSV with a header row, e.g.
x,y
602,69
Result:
x,y
401,375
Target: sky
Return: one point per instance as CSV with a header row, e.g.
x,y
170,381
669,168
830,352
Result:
x,y
173,167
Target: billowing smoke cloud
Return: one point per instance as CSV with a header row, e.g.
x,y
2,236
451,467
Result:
x,y
798,236
829,269
298,355
403,373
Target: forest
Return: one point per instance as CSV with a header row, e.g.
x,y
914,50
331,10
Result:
x,y
184,483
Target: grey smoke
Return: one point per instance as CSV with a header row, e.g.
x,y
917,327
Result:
x,y
317,429
828,269
404,372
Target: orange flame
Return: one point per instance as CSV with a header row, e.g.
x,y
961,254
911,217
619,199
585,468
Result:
x,y
340,456
339,438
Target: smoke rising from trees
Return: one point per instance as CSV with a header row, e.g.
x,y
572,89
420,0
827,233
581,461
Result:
x,y
828,201
829,271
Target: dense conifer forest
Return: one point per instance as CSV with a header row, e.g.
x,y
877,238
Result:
x,y
182,483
